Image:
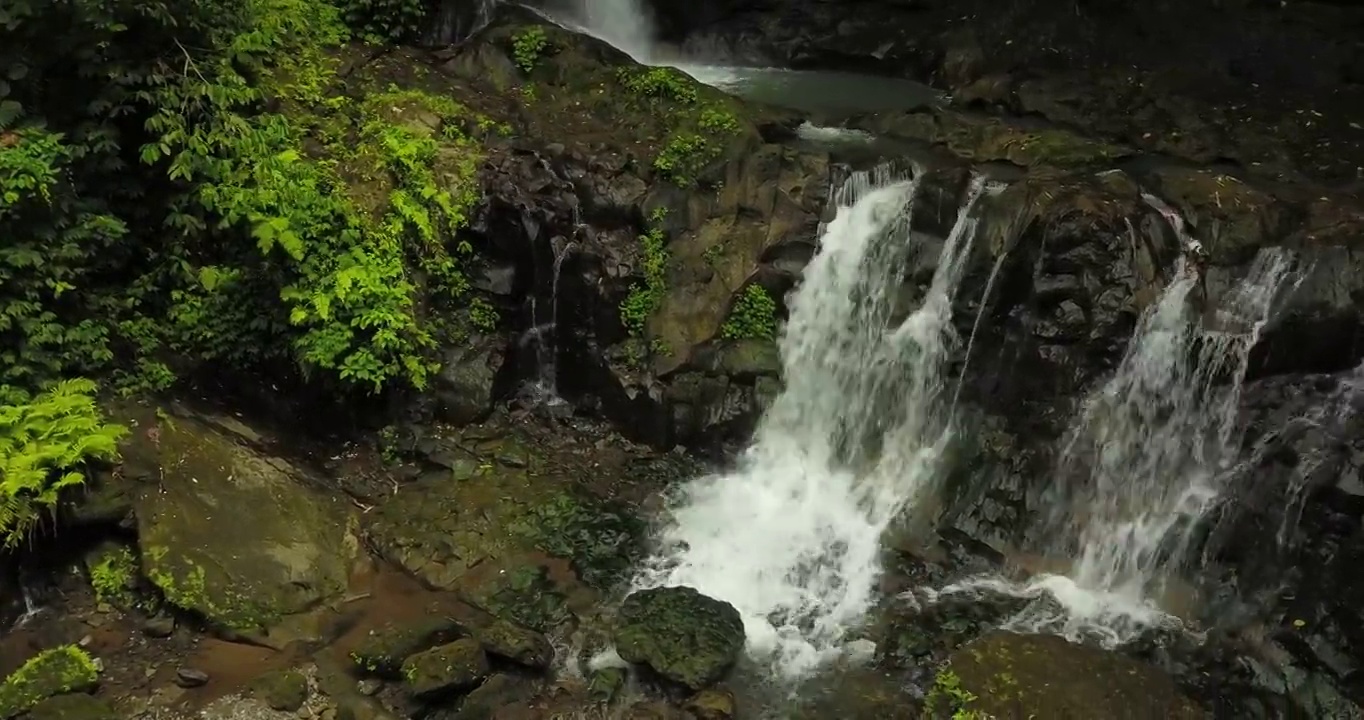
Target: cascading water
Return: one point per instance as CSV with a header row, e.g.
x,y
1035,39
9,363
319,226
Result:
x,y
1145,459
792,536
623,24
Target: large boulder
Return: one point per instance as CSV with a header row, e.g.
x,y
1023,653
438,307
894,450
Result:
x,y
233,533
1006,675
680,634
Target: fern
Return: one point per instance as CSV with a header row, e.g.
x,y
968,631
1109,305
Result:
x,y
45,442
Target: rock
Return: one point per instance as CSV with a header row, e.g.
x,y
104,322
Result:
x,y
285,691
513,642
384,651
190,677
66,669
340,688
1008,675
606,683
161,625
74,706
458,666
235,535
495,693
711,705
465,389
682,635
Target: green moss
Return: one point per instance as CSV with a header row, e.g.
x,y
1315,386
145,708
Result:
x,y
948,699
383,652
186,588
699,128
683,635
52,672
284,691
753,317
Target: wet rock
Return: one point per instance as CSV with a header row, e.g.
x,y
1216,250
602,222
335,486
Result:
x,y
466,387
73,707
458,666
336,682
285,691
236,535
161,625
190,677
383,651
679,633
711,705
605,684
497,692
1009,675
520,645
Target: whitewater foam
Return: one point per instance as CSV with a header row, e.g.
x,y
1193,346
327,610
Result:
x,y
792,535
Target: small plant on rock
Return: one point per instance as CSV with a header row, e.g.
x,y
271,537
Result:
x,y
645,297
527,47
112,575
753,317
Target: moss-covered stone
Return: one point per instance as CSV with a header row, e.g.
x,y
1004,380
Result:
x,y
525,594
74,706
495,693
235,535
286,690
451,668
1006,675
518,644
682,635
383,651
606,683
66,669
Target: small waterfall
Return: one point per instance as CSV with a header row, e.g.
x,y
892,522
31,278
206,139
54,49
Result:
x,y
544,390
456,20
1145,459
792,535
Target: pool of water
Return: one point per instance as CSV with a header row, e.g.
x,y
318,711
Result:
x,y
814,91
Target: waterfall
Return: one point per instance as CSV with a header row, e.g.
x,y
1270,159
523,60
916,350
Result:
x,y
1145,458
792,535
623,24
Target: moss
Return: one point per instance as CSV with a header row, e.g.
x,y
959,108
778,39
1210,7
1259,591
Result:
x,y
64,669
186,588
699,127
383,652
284,691
75,706
683,635
459,665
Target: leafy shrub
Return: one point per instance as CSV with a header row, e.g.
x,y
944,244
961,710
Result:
x,y
754,316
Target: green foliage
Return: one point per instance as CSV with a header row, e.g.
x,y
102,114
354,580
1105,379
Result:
x,y
754,316
45,443
113,574
220,133
383,21
659,83
948,698
700,128
527,45
51,672
645,297
483,315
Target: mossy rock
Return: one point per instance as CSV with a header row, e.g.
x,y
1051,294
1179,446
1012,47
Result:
x,y
235,535
680,634
383,652
66,669
448,669
525,594
518,644
74,706
1014,677
285,691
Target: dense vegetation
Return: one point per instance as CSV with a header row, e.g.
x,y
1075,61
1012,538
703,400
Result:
x,y
159,209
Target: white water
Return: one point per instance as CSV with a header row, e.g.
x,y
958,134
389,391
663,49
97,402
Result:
x,y
623,24
1145,459
792,536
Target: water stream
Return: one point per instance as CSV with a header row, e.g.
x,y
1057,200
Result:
x,y
792,535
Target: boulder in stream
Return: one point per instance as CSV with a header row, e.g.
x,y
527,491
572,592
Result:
x,y
680,634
